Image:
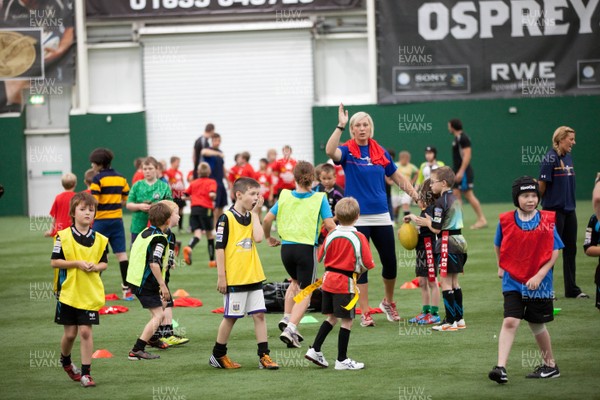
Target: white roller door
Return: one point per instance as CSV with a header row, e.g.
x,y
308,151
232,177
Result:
x,y
255,86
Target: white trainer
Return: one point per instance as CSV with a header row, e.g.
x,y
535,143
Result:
x,y
348,363
316,357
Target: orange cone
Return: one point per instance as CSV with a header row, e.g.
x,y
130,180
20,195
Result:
x,y
102,353
181,293
408,285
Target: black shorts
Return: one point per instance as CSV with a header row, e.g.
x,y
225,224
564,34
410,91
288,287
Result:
x,y
466,183
456,262
537,311
67,315
333,303
421,268
300,263
221,199
180,202
201,218
150,301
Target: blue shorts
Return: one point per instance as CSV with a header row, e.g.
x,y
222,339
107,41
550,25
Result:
x,y
221,199
114,230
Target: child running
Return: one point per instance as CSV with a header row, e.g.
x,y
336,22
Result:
x,y
526,246
146,278
299,214
78,257
345,254
240,273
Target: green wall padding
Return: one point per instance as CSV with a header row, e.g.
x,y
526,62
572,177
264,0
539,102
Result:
x,y
13,166
125,135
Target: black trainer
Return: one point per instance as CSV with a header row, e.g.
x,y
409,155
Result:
x,y
498,374
544,372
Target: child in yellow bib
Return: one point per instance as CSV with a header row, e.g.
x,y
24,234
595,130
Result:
x,y
78,257
240,273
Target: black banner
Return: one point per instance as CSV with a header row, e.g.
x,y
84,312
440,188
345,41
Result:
x,y
37,50
285,10
443,49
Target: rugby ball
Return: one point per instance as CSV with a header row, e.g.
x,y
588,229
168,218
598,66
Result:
x,y
408,236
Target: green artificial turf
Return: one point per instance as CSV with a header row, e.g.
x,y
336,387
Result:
x,y
402,361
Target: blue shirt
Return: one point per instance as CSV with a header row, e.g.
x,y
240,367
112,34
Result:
x,y
366,181
325,211
216,167
559,175
545,290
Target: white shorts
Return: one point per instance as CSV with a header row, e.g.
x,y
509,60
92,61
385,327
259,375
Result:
x,y
239,303
405,199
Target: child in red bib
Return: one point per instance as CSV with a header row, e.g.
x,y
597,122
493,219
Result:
x,y
527,246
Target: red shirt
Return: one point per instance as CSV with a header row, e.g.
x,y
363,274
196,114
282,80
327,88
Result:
x,y
138,176
175,178
340,177
284,170
339,253
60,211
264,178
200,190
237,171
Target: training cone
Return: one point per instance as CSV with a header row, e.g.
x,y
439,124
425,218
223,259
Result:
x,y
175,324
408,236
557,310
181,293
308,319
409,285
102,353
415,282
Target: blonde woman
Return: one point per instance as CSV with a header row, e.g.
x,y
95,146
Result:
x,y
365,165
557,189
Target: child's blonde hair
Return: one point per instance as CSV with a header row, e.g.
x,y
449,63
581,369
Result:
x,y
204,170
68,181
88,178
347,210
444,173
172,205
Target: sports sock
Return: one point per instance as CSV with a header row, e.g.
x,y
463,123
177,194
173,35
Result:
x,y
425,309
168,330
263,348
293,327
458,298
343,340
449,303
181,221
85,369
219,350
324,330
194,241
155,335
65,360
124,265
139,345
434,310
211,249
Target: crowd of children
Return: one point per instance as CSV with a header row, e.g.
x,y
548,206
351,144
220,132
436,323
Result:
x,y
307,203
